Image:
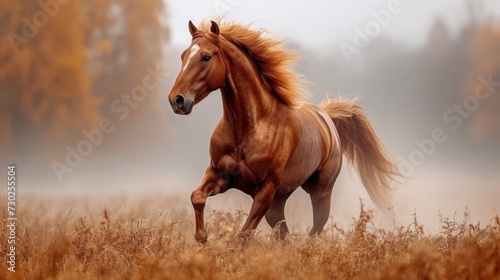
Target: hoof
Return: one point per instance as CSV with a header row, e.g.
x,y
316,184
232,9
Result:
x,y
245,236
201,238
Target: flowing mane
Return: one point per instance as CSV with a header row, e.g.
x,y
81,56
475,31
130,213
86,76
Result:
x,y
273,61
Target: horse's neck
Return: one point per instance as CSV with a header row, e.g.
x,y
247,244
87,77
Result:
x,y
245,99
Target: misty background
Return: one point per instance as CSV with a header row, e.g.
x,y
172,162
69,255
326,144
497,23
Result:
x,y
113,62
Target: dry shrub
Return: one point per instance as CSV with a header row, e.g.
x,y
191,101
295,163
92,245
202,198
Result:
x,y
152,239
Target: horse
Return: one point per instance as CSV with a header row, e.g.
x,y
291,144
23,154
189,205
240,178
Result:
x,y
269,141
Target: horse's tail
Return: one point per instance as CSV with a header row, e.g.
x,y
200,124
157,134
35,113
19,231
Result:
x,y
363,149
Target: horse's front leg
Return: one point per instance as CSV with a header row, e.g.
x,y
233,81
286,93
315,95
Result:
x,y
261,202
212,184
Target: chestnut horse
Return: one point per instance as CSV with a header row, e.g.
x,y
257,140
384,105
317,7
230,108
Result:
x,y
268,141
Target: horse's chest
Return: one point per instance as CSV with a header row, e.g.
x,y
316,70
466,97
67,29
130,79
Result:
x,y
243,170
253,158
238,170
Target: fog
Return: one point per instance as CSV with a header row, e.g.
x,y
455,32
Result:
x,y
417,75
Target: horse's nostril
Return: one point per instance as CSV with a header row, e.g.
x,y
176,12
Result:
x,y
179,101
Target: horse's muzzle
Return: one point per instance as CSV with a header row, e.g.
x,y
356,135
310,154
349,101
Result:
x,y
181,105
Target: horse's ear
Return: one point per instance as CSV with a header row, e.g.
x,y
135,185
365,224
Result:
x,y
192,28
214,27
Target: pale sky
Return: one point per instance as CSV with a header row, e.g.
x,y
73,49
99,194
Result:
x,y
322,24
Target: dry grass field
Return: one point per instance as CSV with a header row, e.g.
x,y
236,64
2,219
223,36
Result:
x,y
124,238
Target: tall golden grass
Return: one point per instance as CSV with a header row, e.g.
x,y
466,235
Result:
x,y
152,239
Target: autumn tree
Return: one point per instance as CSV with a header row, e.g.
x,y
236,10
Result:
x,y
44,86
482,88
125,40
62,64
121,36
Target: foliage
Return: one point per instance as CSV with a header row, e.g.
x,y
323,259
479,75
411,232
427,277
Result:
x,y
63,62
44,89
142,241
485,62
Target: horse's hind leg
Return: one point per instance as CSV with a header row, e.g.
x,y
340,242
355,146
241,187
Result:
x,y
276,214
319,187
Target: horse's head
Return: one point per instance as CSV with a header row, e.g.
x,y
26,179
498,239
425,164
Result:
x,y
203,70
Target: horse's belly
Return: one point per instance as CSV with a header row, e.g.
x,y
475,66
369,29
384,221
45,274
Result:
x,y
305,160
314,147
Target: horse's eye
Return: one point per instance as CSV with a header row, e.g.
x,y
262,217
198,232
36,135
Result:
x,y
206,58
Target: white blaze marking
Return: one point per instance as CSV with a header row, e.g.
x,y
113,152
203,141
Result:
x,y
194,50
